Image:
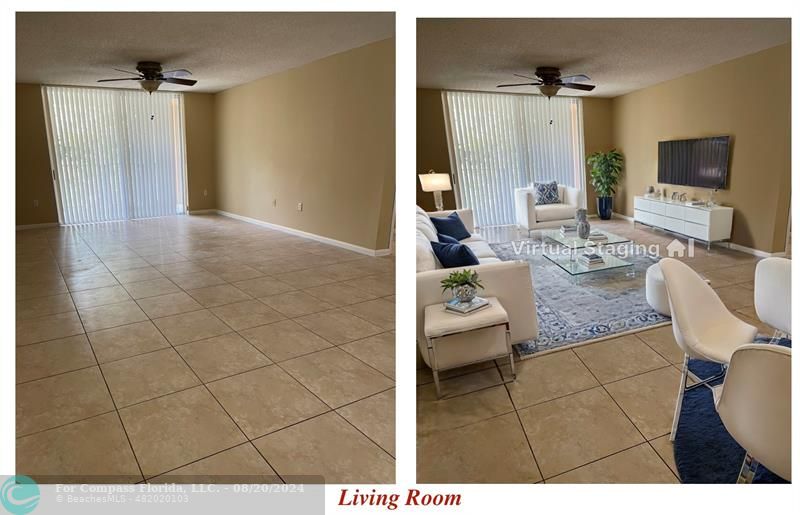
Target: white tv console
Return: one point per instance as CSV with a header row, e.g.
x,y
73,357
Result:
x,y
705,223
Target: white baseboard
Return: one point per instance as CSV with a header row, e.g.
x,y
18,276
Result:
x,y
311,236
622,217
203,212
753,252
37,226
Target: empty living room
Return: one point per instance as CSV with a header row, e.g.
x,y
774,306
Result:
x,y
205,271
603,250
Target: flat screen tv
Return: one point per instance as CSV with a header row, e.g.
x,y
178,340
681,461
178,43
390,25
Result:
x,y
702,163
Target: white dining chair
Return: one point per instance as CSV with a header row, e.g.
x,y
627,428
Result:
x,y
755,405
702,325
772,294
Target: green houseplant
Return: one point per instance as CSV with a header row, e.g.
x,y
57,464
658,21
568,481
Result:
x,y
463,284
606,168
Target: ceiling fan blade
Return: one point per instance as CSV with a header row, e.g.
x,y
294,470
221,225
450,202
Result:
x,y
574,78
182,82
112,80
126,71
524,76
176,73
582,87
524,84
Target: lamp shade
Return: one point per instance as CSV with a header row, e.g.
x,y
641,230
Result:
x,y
435,181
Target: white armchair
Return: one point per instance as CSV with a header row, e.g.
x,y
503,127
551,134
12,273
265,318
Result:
x,y
773,294
531,216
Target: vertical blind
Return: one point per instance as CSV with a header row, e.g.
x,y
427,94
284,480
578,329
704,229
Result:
x,y
499,142
117,154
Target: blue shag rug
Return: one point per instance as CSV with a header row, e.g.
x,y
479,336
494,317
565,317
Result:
x,y
596,305
704,450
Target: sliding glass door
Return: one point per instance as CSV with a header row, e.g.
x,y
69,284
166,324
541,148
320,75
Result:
x,y
499,142
116,154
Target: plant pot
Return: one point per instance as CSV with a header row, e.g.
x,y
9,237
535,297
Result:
x,y
464,293
605,206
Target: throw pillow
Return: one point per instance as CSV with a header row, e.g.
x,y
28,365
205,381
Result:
x,y
443,238
453,255
451,226
546,193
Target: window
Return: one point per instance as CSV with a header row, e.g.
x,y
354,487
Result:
x,y
499,142
116,154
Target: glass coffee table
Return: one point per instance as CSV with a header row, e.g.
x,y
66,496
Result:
x,y
568,247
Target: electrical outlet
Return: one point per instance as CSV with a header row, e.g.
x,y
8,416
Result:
x,y
205,193
274,202
299,206
35,203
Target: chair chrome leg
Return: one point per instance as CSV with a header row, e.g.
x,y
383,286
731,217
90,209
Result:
x,y
510,354
436,383
679,402
748,471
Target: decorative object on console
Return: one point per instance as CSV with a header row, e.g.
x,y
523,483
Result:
x,y
546,193
584,228
463,284
451,225
606,170
436,183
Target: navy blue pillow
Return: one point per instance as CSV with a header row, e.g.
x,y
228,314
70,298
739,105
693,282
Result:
x,y
451,226
443,238
453,255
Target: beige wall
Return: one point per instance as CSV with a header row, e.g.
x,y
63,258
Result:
x,y
749,99
200,150
34,182
597,137
321,134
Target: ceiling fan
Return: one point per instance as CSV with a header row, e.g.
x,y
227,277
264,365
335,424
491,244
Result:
x,y
151,77
550,81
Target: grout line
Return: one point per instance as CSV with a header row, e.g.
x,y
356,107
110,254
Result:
x,y
519,419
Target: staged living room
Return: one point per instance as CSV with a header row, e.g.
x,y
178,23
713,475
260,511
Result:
x,y
603,251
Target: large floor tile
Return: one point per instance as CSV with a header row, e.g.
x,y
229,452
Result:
x,y
435,414
195,280
379,312
662,340
265,400
379,285
58,400
648,399
94,450
147,376
263,286
188,327
618,358
126,341
53,357
284,340
221,356
100,296
41,306
338,326
336,377
137,274
572,431
151,288
247,314
340,294
295,303
375,417
305,279
490,451
89,282
218,295
376,351
169,304
547,377
239,465
174,430
639,464
48,327
329,450
664,448
735,297
111,315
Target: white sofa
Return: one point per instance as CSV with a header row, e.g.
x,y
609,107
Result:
x,y
509,281
531,216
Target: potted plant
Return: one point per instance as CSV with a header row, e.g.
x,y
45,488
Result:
x,y
463,284
606,167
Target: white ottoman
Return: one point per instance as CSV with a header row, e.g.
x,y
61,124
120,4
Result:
x,y
656,291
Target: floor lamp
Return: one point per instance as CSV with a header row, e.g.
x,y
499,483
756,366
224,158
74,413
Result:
x,y
436,183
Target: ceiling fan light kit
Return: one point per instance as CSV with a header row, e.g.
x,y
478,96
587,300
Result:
x,y
550,81
150,76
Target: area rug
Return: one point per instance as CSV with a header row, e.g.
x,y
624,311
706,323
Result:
x,y
596,305
704,450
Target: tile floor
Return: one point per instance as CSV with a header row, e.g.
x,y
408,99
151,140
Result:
x,y
199,347
599,413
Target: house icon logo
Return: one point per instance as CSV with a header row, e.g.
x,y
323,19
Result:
x,y
676,249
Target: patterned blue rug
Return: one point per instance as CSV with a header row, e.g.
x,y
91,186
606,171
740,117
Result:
x,y
595,305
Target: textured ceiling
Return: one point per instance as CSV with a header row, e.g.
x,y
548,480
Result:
x,y
620,55
221,49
